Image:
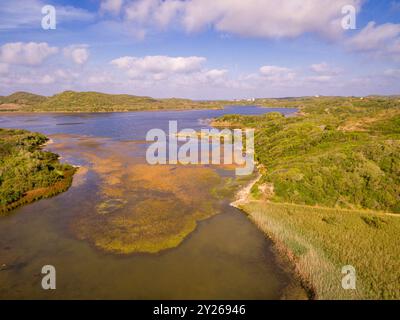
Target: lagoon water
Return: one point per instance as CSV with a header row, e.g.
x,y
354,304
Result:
x,y
225,257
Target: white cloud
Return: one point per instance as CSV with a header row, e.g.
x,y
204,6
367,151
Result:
x,y
277,74
374,37
324,69
377,41
158,66
112,6
251,18
31,53
140,11
215,73
78,53
153,12
211,78
319,67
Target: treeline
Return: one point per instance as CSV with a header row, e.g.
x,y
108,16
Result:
x,y
339,152
28,173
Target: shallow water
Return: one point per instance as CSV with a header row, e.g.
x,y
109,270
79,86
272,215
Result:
x,y
225,256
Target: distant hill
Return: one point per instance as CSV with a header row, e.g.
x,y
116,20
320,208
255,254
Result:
x,y
20,100
93,101
72,101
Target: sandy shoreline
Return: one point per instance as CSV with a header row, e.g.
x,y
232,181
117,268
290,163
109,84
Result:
x,y
243,195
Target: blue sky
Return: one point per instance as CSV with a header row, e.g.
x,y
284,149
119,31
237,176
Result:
x,y
201,49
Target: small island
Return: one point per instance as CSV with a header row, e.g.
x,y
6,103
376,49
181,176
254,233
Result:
x,y
28,173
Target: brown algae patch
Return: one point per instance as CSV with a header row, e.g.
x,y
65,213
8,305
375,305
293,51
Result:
x,y
141,207
161,205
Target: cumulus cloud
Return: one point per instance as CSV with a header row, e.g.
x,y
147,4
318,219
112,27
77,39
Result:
x,y
375,37
158,66
77,53
31,53
154,12
215,73
252,18
268,18
277,74
377,41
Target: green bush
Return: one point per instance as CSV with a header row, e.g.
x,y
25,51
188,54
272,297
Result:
x,y
24,166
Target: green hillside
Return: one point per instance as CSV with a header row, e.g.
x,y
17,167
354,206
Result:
x,y
23,98
71,101
342,152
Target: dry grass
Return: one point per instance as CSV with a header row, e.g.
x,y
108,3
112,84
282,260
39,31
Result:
x,y
319,241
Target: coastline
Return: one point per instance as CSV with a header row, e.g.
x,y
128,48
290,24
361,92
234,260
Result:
x,y
244,194
282,253
197,108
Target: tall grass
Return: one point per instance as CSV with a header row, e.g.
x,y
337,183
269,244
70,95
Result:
x,y
320,241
